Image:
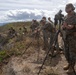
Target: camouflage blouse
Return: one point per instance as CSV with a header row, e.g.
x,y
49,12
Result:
x,y
70,20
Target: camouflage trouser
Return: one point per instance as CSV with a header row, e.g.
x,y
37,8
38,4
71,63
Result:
x,y
70,50
51,37
46,39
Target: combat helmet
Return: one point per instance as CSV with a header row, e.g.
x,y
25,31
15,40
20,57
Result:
x,y
70,5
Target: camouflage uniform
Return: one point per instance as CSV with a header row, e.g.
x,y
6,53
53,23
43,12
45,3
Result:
x,y
70,46
71,38
46,30
34,25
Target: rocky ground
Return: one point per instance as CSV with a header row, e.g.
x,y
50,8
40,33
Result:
x,y
28,65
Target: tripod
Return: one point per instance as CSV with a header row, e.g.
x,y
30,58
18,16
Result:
x,y
54,40
37,37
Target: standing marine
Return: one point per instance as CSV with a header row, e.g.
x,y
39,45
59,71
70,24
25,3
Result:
x,y
69,27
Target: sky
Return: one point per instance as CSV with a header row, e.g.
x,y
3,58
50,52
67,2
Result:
x,y
25,10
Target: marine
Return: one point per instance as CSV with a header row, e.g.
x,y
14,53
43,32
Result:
x,y
69,27
46,28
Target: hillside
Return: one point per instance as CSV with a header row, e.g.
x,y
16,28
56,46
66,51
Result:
x,y
15,25
23,54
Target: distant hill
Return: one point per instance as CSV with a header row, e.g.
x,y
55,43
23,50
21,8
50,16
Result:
x,y
2,24
16,25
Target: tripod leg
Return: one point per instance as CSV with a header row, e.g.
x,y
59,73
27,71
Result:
x,y
56,35
38,49
43,62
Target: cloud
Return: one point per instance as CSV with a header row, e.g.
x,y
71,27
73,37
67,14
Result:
x,y
23,4
23,10
72,1
34,4
25,14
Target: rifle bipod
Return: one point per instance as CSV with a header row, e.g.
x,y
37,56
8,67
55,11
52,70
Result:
x,y
54,40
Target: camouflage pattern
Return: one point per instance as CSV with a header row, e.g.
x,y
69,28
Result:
x,y
34,25
45,36
71,21
70,53
69,6
47,30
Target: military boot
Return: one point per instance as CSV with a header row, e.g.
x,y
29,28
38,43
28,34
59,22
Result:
x,y
66,67
70,70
